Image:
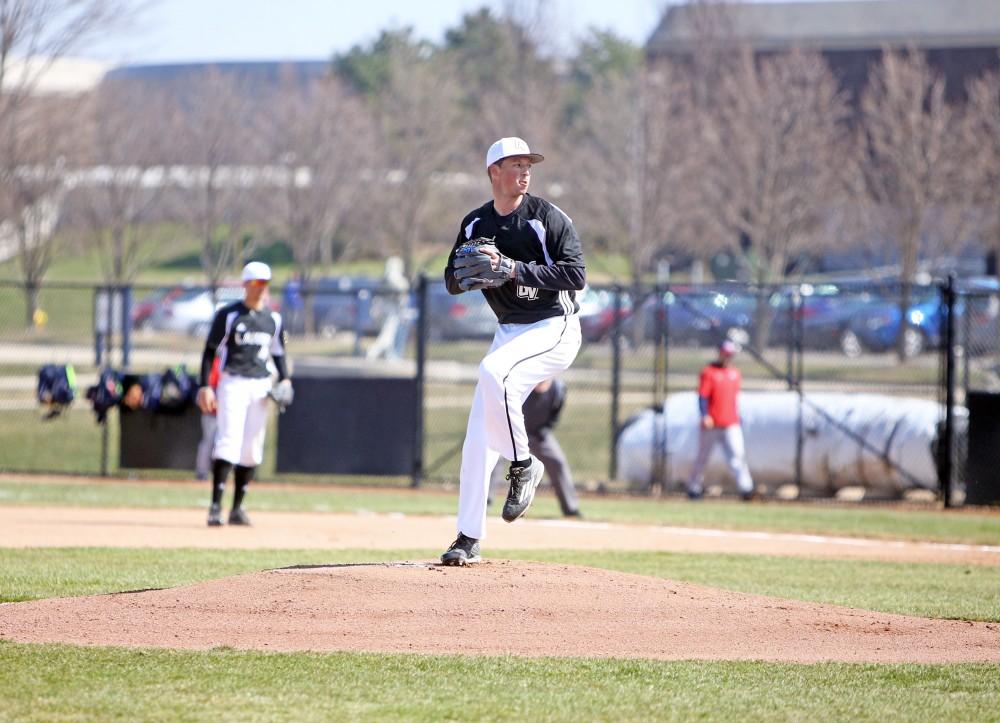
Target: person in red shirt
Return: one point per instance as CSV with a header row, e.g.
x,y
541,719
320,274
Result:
x,y
718,389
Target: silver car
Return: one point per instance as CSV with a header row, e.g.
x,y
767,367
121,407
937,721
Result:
x,y
192,311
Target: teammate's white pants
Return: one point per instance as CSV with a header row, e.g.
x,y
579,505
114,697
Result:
x,y
242,420
522,355
731,439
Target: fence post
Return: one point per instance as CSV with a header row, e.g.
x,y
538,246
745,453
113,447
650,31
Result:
x,y
362,309
616,379
418,454
795,377
947,443
98,337
793,328
126,292
658,483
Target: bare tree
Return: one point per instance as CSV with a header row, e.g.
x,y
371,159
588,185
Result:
x,y
322,136
36,33
123,133
777,155
216,138
420,131
32,192
33,35
632,165
912,165
982,134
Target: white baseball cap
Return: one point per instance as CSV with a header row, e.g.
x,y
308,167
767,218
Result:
x,y
256,271
728,347
507,147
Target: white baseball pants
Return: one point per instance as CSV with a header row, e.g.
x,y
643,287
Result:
x,y
731,440
522,355
242,419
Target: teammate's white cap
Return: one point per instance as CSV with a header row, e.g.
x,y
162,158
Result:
x,y
507,147
256,271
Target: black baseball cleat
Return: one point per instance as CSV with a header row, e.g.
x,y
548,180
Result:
x,y
238,517
463,551
694,493
523,483
215,516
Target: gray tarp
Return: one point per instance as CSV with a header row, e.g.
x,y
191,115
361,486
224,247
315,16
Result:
x,y
887,447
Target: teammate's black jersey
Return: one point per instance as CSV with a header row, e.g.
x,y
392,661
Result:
x,y
244,339
551,270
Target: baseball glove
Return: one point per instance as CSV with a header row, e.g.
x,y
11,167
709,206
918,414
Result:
x,y
282,394
479,265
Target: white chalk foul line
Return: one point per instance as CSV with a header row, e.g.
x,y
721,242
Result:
x,y
827,540
777,536
766,536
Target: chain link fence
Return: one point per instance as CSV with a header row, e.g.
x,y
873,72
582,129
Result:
x,y
974,381
806,349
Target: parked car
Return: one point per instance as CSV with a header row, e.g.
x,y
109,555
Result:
x,y
462,316
699,316
825,313
342,303
143,309
878,326
597,312
191,310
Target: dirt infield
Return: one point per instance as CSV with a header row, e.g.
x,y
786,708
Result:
x,y
497,607
23,526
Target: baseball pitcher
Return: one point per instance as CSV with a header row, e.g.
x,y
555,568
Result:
x,y
523,254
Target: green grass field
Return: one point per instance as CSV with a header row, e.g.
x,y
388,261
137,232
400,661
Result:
x,y
70,683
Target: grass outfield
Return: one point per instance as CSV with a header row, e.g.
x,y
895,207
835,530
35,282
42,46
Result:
x,y
885,522
68,683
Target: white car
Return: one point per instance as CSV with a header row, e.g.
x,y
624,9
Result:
x,y
192,311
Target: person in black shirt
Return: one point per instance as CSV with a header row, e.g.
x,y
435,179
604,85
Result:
x,y
246,335
538,335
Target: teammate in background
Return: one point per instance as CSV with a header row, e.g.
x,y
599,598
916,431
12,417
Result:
x,y
535,267
244,334
209,423
394,291
718,390
541,413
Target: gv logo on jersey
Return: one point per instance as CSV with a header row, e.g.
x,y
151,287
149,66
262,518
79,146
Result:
x,y
527,292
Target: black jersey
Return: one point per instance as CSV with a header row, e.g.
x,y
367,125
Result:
x,y
244,338
551,270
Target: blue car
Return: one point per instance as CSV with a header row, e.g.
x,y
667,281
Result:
x,y
824,316
877,326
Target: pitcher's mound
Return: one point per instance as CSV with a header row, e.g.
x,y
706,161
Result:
x,y
496,608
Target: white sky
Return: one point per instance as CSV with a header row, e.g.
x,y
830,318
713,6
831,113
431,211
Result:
x,y
216,30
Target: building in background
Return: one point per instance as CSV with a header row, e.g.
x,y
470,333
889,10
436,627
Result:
x,y
961,37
